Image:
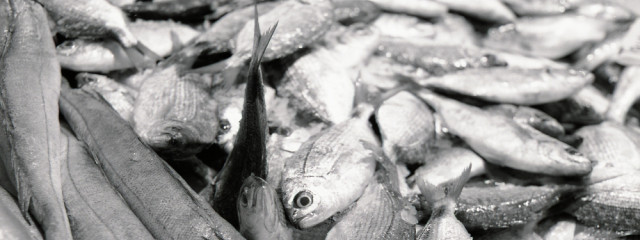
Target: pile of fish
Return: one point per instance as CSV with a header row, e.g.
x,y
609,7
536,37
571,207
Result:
x,y
319,119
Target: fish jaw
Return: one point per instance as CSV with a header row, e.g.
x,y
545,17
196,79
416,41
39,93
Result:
x,y
175,139
259,213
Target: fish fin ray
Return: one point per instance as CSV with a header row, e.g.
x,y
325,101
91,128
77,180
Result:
x,y
141,56
458,184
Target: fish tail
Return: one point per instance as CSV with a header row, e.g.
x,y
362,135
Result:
x,y
260,42
456,188
141,56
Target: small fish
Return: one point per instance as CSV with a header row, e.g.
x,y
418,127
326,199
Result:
x,y
530,116
605,10
404,27
512,85
549,36
183,10
443,223
349,12
12,224
625,95
562,227
418,8
587,106
118,96
29,136
488,10
442,165
502,141
249,154
83,19
438,59
596,54
537,7
515,60
407,128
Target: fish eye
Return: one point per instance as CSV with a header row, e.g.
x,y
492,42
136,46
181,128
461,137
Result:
x,y
572,151
225,125
303,199
243,198
67,45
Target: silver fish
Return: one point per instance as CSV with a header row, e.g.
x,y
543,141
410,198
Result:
x,y
625,95
442,165
488,10
424,9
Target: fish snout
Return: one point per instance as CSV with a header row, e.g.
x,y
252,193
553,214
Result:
x,y
174,139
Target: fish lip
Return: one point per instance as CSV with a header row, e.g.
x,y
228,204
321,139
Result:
x,y
300,221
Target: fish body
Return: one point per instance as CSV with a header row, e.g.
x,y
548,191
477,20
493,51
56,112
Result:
x,y
549,36
118,96
600,52
96,210
29,115
605,10
438,59
530,116
314,185
14,225
502,141
407,127
174,113
185,10
151,188
629,53
523,232
442,165
537,7
515,86
423,9
587,106
349,12
625,95
490,11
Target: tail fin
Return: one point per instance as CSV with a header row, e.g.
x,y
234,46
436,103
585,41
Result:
x,y
141,56
432,193
458,184
260,43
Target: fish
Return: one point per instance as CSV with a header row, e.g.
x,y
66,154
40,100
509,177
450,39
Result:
x,y
587,106
95,209
442,165
407,128
81,19
610,204
121,3
606,10
488,134
629,53
183,10
174,113
583,232
491,206
562,227
438,59
120,97
625,95
144,180
443,223
538,7
422,9
613,146
320,84
301,23
490,11
515,60
348,12
29,135
524,232
596,54
547,36
14,225
512,85
531,117
249,154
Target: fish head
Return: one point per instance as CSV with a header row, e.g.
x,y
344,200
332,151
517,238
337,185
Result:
x,y
307,202
91,55
229,116
175,139
259,209
571,158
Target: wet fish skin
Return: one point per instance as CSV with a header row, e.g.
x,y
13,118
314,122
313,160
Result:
x,y
537,7
335,153
530,116
550,36
118,96
14,226
625,95
92,204
502,141
491,11
29,112
439,59
407,127
443,224
511,85
185,10
349,12
442,165
423,9
587,106
259,211
599,53
606,10
92,55
629,54
174,113
523,232
146,183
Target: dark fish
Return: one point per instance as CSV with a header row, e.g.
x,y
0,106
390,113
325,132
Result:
x,y
249,154
29,136
184,10
151,188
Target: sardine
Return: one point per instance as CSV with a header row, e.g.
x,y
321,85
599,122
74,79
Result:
x,y
512,85
174,113
530,116
625,95
488,10
549,36
438,59
442,165
29,136
83,19
184,10
95,209
418,8
407,128
12,224
443,224
151,188
537,7
118,96
500,140
249,154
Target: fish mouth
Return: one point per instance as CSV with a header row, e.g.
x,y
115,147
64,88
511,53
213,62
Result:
x,y
174,139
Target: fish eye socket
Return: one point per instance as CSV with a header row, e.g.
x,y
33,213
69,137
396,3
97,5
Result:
x,y
243,198
303,199
572,151
225,125
67,45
